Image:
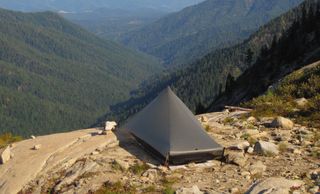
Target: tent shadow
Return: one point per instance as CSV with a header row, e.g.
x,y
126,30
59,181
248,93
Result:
x,y
129,143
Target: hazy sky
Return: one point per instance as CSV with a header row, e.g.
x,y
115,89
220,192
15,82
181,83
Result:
x,y
83,5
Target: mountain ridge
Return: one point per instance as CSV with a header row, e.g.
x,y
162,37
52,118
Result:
x,y
185,36
46,62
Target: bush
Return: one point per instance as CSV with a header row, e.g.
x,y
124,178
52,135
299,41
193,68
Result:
x,y
138,169
8,138
116,188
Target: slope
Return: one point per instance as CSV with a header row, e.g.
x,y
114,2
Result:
x,y
201,82
193,32
54,75
298,47
296,96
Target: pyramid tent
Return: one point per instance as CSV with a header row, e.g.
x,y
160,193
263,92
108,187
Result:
x,y
170,130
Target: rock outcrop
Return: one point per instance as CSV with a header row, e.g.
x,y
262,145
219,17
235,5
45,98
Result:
x,y
5,155
266,148
275,186
281,122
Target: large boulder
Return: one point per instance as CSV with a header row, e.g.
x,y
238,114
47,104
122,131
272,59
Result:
x,y
193,190
5,155
266,148
281,122
274,186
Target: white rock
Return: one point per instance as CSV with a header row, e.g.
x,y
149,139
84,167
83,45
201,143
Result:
x,y
301,102
110,125
193,190
274,186
37,147
234,190
250,150
5,155
266,148
33,137
252,120
281,122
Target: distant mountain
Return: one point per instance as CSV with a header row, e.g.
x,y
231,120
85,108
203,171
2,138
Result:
x,y
56,76
87,5
183,37
113,23
201,82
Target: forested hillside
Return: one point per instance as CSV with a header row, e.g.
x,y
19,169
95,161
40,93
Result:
x,y
298,47
199,84
56,76
183,37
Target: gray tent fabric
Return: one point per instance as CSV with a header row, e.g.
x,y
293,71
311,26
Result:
x,y
171,129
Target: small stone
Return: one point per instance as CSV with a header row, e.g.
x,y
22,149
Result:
x,y
266,148
234,190
301,102
252,120
94,153
204,119
297,151
37,147
110,125
250,150
33,137
193,190
236,158
257,168
5,155
281,122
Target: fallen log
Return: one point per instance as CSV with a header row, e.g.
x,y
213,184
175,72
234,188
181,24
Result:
x,y
235,108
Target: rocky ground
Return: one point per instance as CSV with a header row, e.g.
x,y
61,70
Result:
x,y
263,155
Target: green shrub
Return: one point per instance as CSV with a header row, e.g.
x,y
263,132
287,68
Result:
x,y
116,188
138,168
281,101
169,190
8,138
228,121
283,147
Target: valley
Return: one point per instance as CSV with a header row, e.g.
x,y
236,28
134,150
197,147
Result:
x,y
171,97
